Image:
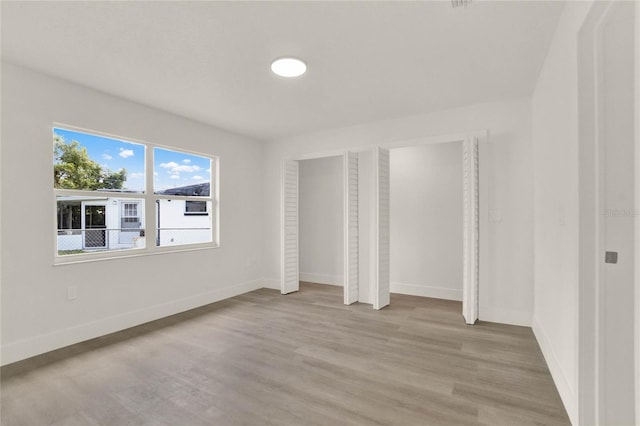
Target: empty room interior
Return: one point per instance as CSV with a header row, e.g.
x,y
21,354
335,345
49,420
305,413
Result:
x,y
320,213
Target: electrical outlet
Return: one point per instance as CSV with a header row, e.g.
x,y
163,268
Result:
x,y
72,292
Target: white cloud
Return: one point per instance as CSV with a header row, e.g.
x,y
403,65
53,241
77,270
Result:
x,y
197,178
155,173
169,165
106,157
186,169
175,176
136,175
126,153
208,170
176,168
186,161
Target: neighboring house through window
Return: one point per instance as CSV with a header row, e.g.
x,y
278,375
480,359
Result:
x,y
103,186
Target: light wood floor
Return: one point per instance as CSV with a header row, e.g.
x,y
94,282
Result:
x,y
301,359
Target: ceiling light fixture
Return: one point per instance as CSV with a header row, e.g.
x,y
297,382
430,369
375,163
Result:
x,y
288,67
460,3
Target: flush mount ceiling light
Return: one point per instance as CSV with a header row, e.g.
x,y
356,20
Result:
x,y
288,67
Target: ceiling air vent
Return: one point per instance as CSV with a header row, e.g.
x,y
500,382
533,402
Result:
x,y
460,3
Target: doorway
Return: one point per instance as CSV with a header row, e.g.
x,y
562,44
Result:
x,y
426,230
290,223
474,201
94,222
321,221
608,219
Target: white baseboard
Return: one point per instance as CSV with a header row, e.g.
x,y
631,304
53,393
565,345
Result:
x,y
321,278
565,389
271,283
505,316
426,291
26,348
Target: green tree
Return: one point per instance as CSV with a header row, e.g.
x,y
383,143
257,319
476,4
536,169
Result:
x,y
73,169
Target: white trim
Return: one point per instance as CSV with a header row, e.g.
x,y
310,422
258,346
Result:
x,y
563,385
587,404
312,277
271,283
128,253
426,290
505,316
427,140
600,223
316,155
22,349
637,206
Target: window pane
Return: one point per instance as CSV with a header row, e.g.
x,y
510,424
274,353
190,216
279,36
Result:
x,y
92,224
175,227
96,163
195,207
177,173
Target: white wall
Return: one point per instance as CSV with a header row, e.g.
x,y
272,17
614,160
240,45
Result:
x,y
119,293
555,167
509,296
426,220
321,220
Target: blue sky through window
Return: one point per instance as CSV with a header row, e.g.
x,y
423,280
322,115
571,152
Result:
x,y
174,169
112,154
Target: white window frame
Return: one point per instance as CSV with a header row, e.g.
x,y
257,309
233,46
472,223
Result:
x,y
149,208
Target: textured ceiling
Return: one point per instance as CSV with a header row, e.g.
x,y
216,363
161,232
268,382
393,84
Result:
x,y
210,61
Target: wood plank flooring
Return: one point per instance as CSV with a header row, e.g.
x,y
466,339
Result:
x,y
301,359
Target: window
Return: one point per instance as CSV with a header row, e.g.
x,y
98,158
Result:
x,y
182,181
104,186
195,207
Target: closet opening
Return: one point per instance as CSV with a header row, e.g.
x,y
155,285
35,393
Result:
x,y
319,222
436,192
426,230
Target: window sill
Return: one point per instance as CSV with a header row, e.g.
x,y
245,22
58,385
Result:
x,y
125,254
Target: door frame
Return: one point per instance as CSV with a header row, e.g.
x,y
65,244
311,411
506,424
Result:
x,y
637,205
348,237
475,181
591,247
83,226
